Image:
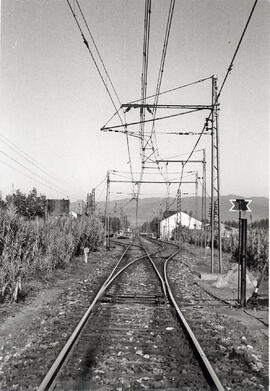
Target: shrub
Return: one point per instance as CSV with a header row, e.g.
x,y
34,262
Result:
x,y
257,244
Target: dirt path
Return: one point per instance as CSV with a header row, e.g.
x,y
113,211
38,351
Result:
x,y
33,332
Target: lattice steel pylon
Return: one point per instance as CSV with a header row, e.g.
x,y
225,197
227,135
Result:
x,y
203,218
179,209
107,213
196,195
215,222
91,203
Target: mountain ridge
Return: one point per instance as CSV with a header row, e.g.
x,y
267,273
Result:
x,y
150,207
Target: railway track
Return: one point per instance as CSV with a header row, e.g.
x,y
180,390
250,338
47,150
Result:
x,y
133,335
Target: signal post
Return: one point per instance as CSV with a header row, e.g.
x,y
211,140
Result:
x,y
242,206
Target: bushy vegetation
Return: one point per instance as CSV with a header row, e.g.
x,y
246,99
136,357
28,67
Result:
x,y
30,249
28,205
257,244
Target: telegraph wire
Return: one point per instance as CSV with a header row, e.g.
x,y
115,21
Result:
x,y
27,157
32,172
34,179
98,70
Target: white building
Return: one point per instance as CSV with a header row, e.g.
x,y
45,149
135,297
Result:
x,y
170,223
73,214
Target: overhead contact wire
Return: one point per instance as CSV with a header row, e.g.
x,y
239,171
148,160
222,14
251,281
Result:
x,y
226,77
98,70
147,19
222,85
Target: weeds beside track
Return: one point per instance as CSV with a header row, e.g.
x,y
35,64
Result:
x,y
31,249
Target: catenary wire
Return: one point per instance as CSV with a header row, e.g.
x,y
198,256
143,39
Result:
x,y
222,85
98,70
151,120
174,89
226,76
157,94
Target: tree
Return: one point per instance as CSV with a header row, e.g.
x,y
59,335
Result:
x,y
19,200
28,206
145,227
115,224
154,224
35,205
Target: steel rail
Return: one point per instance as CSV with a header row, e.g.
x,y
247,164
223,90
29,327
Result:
x,y
50,378
195,273
208,370
125,267
118,241
155,268
48,381
207,367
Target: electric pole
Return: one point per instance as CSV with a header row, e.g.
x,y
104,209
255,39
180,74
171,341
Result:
x,y
215,182
179,209
91,203
107,213
204,197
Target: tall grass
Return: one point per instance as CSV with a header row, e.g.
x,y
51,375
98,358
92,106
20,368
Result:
x,y
257,244
31,249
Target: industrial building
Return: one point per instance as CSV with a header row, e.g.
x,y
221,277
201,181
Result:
x,y
57,208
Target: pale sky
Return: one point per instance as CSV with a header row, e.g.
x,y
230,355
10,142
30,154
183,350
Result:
x,y
53,103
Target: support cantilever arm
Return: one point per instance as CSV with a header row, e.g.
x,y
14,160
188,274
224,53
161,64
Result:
x,y
149,120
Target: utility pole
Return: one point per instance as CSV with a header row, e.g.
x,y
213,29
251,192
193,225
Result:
x,y
107,213
216,109
91,203
179,209
215,182
196,205
148,151
196,195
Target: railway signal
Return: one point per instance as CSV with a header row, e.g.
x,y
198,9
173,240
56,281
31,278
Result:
x,y
242,206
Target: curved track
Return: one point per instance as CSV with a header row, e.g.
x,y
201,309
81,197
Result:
x,y
133,335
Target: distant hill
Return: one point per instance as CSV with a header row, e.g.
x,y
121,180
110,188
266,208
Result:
x,y
151,207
